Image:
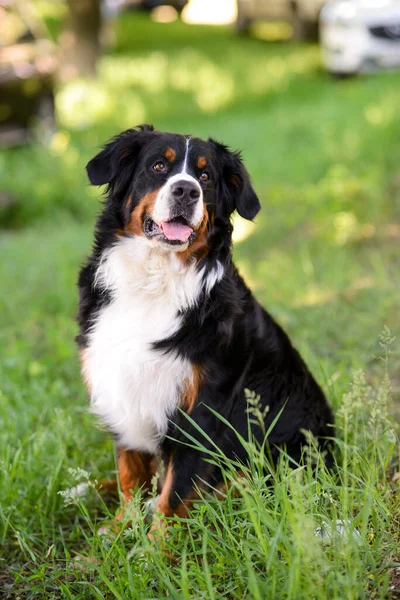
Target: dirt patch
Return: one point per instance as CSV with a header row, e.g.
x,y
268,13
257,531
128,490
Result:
x,y
394,588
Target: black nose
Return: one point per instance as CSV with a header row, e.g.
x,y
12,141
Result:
x,y
185,191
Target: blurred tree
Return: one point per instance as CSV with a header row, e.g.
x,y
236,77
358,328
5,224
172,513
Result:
x,y
80,39
27,65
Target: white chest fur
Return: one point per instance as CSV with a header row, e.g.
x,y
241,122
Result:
x,y
135,388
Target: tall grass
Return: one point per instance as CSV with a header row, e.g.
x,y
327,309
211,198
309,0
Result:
x,y
284,532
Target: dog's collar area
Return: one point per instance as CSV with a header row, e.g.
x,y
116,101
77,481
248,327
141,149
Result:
x,y
177,227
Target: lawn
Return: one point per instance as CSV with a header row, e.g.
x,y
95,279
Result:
x,y
323,257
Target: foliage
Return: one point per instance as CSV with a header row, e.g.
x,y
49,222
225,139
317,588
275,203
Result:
x,y
245,92
256,540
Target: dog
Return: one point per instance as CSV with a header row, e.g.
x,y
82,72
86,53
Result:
x,y
170,336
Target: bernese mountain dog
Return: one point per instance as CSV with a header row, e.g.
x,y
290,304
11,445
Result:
x,y
168,328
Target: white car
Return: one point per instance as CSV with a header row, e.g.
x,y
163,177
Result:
x,y
360,35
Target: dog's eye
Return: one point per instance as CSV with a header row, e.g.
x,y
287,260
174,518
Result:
x,y
204,177
159,167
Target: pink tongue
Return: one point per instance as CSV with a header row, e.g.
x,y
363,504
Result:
x,y
176,231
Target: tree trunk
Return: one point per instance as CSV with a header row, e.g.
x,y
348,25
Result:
x,y
80,40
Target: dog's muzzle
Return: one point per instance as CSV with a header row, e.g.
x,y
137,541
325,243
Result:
x,y
178,212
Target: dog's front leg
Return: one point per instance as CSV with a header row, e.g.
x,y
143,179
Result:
x,y
135,471
178,491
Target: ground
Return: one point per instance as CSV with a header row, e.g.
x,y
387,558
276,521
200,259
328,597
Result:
x,y
323,256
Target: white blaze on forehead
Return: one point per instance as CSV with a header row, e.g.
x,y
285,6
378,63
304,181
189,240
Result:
x,y
186,155
163,206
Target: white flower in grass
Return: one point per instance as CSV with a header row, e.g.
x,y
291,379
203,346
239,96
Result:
x,y
341,528
74,494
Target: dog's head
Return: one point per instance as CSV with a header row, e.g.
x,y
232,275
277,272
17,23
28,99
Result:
x,y
169,188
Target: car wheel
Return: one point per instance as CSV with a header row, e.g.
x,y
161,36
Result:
x,y
340,75
369,65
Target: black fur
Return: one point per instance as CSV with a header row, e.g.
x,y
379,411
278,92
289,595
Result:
x,y
233,340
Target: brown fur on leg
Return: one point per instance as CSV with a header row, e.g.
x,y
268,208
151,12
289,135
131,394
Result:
x,y
135,471
108,487
164,508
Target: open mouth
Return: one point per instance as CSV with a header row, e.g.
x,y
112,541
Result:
x,y
175,232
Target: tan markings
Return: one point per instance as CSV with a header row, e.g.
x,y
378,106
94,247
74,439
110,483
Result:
x,y
163,509
201,162
125,154
163,506
127,211
235,180
145,206
84,370
199,247
191,390
238,484
135,470
128,204
108,486
158,527
158,531
170,154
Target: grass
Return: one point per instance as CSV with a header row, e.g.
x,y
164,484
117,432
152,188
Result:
x,y
323,258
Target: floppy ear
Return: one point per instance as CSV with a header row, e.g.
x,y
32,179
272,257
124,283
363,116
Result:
x,y
104,167
235,189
